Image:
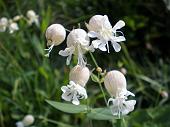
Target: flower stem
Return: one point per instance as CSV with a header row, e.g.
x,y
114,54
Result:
x,y
94,60
103,92
118,123
101,88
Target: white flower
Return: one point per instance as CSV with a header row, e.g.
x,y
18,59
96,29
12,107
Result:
x,y
77,44
3,24
13,26
73,92
32,17
80,75
99,27
55,35
27,121
115,83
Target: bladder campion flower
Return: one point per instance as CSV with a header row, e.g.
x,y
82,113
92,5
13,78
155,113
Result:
x,y
77,44
55,35
32,17
115,83
75,90
3,24
99,27
27,121
13,26
80,75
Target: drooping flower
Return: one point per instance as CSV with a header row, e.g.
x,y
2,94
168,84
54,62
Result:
x,y
75,90
115,83
13,26
80,75
77,44
32,17
3,24
55,35
27,121
99,27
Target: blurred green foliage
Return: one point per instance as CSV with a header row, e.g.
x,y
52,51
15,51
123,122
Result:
x,y
27,78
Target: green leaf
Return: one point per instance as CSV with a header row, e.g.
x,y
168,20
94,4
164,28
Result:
x,y
100,114
68,108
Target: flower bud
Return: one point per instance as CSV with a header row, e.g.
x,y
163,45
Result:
x,y
3,24
99,69
17,17
80,75
31,13
115,83
55,34
28,120
77,36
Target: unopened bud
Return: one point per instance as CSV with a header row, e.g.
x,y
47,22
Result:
x,y
55,34
115,83
80,75
98,69
18,17
28,120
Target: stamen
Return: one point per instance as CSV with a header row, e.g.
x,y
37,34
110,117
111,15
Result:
x,y
119,32
49,50
67,30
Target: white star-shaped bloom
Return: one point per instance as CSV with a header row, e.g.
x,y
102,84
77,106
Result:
x,y
99,27
73,92
77,44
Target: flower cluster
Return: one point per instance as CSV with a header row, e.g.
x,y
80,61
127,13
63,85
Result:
x,y
11,24
78,43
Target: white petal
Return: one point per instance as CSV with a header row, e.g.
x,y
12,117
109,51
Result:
x,y
64,88
75,101
102,47
96,43
119,25
72,83
116,46
68,59
129,93
106,23
92,34
67,96
119,39
65,52
128,106
110,100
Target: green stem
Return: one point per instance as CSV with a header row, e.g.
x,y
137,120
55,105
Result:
x,y
101,88
118,123
94,60
103,92
124,123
